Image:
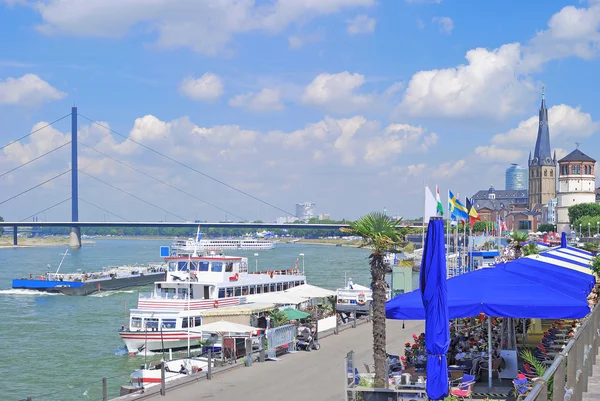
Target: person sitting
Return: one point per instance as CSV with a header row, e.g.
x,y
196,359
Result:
x,y
183,370
461,354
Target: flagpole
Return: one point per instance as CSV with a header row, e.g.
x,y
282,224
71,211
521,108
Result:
x,y
424,214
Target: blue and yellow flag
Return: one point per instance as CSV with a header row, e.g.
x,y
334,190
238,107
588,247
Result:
x,y
457,209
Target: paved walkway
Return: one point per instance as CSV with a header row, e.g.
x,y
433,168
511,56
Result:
x,y
317,375
593,393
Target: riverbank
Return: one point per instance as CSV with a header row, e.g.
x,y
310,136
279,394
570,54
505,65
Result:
x,y
324,241
24,242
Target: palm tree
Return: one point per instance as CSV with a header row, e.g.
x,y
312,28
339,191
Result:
x,y
531,249
382,235
516,239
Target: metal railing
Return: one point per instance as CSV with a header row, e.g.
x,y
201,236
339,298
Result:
x,y
573,366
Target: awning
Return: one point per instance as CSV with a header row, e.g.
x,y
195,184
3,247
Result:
x,y
310,291
225,328
295,314
278,298
534,287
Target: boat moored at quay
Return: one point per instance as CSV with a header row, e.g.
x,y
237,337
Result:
x,y
195,284
192,245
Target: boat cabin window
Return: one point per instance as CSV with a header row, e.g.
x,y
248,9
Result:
x,y
245,290
197,321
238,291
259,289
221,292
216,267
203,266
172,266
252,289
193,321
272,289
193,266
243,267
297,283
285,286
136,322
229,267
229,292
151,323
181,266
168,323
167,292
279,286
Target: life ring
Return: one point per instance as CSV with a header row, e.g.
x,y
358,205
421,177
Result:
x,y
361,299
216,304
236,276
271,273
193,276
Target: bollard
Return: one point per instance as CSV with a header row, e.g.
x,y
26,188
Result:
x,y
261,348
163,389
209,367
336,331
248,352
104,393
354,320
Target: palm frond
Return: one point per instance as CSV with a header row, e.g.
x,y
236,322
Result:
x,y
378,231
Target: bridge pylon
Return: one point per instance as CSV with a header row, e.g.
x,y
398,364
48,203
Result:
x,y
75,234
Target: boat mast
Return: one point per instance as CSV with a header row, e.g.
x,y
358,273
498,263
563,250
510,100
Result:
x,y
62,260
188,318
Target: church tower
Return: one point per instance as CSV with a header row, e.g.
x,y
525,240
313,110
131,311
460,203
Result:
x,y
542,166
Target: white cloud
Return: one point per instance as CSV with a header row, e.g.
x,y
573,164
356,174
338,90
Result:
x,y
450,169
496,83
336,92
445,24
206,88
360,24
268,99
204,26
28,90
301,40
396,139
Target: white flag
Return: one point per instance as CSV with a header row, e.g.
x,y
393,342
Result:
x,y
430,206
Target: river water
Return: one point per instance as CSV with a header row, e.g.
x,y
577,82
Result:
x,y
57,347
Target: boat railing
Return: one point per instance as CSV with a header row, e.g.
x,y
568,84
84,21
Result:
x,y
287,272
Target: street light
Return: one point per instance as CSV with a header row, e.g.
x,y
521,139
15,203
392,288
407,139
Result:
x,y
256,268
598,226
589,229
580,232
302,262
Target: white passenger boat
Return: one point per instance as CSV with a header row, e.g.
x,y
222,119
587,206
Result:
x,y
193,244
195,283
148,376
355,298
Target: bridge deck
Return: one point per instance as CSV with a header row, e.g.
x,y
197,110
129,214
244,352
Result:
x,y
316,375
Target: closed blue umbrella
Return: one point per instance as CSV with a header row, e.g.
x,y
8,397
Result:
x,y
435,301
563,240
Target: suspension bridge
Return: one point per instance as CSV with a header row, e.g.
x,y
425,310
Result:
x,y
75,224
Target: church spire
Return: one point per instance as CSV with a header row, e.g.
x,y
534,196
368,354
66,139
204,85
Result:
x,y
542,155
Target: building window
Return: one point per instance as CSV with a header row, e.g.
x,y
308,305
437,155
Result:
x,y
524,225
551,173
545,173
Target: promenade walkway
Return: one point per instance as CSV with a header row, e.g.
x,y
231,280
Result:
x,y
316,375
593,393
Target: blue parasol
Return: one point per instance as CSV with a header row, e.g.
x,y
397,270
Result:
x,y
563,240
435,301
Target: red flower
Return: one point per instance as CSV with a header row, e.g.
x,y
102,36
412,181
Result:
x,y
415,336
415,345
407,345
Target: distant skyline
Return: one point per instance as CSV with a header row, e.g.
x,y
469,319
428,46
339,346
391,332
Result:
x,y
350,104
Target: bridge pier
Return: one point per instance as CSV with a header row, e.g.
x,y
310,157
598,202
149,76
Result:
x,y
15,237
75,237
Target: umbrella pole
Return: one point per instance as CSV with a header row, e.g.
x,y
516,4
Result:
x,y
490,351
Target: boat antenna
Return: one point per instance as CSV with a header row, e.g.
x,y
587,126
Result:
x,y
198,235
62,260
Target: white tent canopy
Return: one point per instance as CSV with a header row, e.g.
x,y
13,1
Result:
x,y
310,291
279,298
226,328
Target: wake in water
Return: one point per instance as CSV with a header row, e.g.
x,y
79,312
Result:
x,y
15,291
102,294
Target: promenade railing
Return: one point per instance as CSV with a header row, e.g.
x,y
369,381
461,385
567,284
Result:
x,y
572,367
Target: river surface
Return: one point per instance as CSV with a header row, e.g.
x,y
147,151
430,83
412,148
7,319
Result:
x,y
57,347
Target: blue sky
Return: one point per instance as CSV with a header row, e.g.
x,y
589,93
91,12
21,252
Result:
x,y
351,104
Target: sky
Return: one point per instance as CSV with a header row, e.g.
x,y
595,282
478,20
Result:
x,y
257,105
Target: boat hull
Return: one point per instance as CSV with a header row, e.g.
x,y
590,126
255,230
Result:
x,y
156,341
87,287
152,376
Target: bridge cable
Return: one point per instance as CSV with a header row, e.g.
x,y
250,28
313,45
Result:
x,y
33,132
133,196
162,182
187,166
46,209
36,186
32,160
107,211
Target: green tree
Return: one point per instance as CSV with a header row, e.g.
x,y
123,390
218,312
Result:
x,y
516,239
1,219
583,209
547,227
278,318
587,221
480,226
531,249
595,265
382,235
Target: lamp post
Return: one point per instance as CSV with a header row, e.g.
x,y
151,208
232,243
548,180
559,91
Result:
x,y
256,267
589,229
580,232
598,228
302,262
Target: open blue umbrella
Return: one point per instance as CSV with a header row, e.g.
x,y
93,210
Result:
x,y
563,240
435,301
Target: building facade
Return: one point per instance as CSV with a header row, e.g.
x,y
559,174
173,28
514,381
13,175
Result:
x,y
542,165
305,211
491,203
549,212
576,184
516,178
